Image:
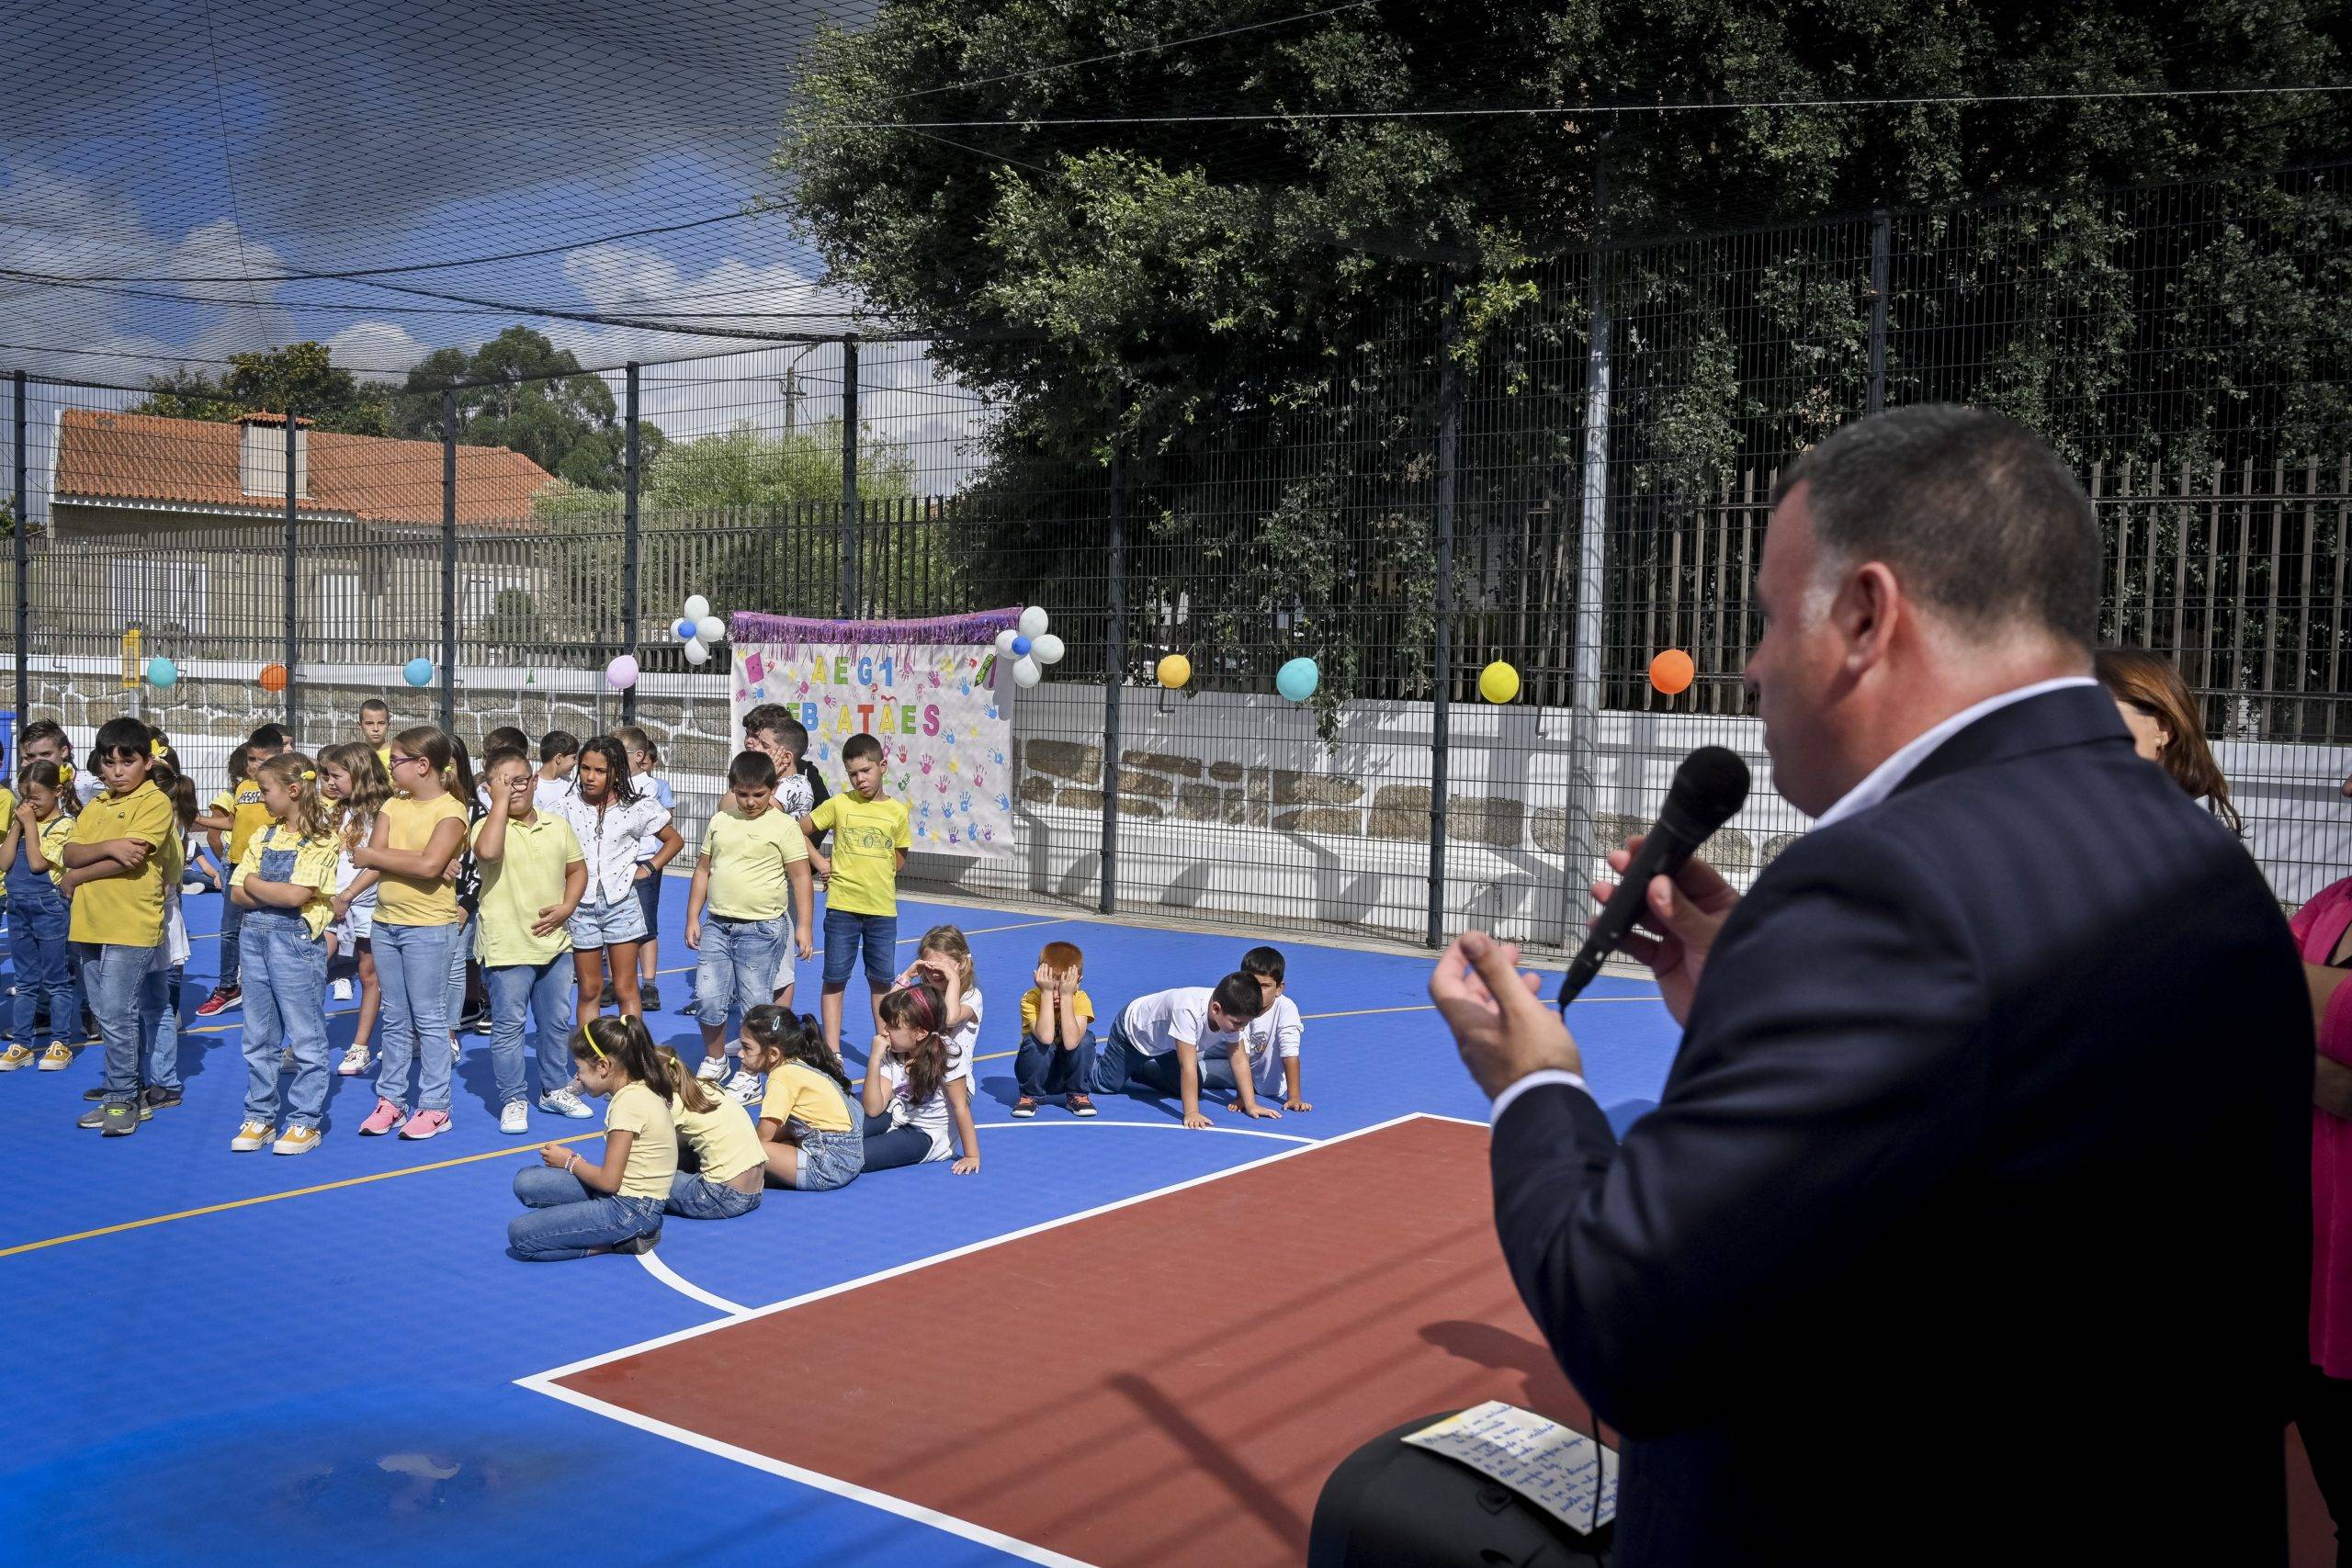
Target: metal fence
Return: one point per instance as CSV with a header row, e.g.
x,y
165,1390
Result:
x,y
1569,486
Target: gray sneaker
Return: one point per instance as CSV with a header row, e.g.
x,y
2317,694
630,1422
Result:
x,y
116,1118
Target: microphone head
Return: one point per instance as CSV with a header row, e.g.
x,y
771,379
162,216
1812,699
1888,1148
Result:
x,y
1708,788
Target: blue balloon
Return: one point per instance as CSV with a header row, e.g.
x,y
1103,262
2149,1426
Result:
x,y
162,672
418,672
1298,679
682,630
1021,646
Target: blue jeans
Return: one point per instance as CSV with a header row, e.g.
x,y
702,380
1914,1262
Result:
x,y
546,990
43,964
889,1147
460,950
233,921
1041,1070
112,977
737,966
159,1027
413,967
567,1221
692,1197
845,930
286,1000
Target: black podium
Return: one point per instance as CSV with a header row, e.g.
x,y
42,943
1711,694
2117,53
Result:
x,y
1390,1505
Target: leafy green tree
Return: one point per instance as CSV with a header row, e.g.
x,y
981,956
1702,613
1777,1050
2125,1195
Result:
x,y
302,376
520,391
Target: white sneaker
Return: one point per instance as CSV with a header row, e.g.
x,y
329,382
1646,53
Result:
x,y
515,1118
342,990
252,1136
713,1070
563,1102
745,1088
355,1062
456,1051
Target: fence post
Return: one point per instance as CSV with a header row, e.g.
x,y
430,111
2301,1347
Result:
x,y
1592,560
849,479
1881,238
1449,445
293,606
631,613
24,569
1114,679
449,559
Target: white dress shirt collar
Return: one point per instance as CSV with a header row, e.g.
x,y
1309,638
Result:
x,y
1883,779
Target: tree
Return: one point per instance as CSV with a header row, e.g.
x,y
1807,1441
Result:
x,y
302,376
520,391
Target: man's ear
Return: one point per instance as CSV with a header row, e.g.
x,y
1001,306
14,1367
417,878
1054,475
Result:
x,y
1868,609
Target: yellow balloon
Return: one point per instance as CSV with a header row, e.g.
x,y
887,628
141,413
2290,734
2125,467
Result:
x,y
1175,671
1499,682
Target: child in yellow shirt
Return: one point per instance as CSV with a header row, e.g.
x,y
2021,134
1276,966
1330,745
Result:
x,y
33,852
285,882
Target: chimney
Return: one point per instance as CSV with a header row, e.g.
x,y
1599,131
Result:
x,y
261,456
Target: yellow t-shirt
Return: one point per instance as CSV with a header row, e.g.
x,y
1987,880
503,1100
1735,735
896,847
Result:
x,y
722,1137
314,866
867,835
413,900
127,911
384,755
247,816
653,1157
798,1089
1033,1007
747,857
527,877
54,834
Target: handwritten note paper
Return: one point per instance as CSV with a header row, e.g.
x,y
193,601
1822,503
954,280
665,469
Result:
x,y
1555,1467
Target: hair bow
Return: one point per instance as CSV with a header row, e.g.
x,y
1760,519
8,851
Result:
x,y
307,774
157,748
66,773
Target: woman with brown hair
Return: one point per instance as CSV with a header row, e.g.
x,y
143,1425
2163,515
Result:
x,y
2160,713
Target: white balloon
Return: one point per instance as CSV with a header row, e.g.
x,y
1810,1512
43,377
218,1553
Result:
x,y
1026,671
696,653
696,608
711,628
1047,650
1034,622
1004,643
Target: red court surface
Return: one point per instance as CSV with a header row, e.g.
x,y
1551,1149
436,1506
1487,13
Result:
x,y
1169,1381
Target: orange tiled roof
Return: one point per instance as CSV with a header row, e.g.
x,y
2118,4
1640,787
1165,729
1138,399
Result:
x,y
147,457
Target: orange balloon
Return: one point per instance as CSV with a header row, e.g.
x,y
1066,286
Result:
x,y
273,677
1672,671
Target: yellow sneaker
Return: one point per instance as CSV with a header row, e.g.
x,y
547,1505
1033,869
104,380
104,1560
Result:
x,y
298,1141
251,1136
16,1056
57,1059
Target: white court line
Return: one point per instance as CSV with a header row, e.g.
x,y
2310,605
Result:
x,y
684,1287
544,1383
670,1278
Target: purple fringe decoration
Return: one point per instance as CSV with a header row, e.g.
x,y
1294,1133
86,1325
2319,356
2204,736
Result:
x,y
980,625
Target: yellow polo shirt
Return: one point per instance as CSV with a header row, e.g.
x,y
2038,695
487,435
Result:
x,y
247,816
127,911
748,856
525,878
314,867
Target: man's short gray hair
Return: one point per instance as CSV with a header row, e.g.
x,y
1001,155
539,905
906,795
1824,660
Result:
x,y
1974,512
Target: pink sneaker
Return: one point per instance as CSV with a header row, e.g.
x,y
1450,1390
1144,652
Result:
x,y
424,1124
383,1119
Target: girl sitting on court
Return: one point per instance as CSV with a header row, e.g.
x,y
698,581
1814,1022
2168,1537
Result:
x,y
809,1131
579,1209
285,884
352,782
722,1170
945,960
910,1098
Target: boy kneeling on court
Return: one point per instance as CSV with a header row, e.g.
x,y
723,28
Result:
x,y
1157,1045
1056,1055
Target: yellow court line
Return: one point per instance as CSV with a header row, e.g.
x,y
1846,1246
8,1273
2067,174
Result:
x,y
297,1193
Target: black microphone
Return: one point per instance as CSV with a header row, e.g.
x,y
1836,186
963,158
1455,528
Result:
x,y
1708,788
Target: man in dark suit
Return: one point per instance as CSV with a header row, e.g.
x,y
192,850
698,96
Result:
x,y
1972,1223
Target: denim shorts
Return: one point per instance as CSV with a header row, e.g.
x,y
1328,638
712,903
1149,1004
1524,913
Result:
x,y
829,1160
603,925
845,930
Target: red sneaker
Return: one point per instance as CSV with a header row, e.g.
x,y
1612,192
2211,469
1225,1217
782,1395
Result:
x,y
223,998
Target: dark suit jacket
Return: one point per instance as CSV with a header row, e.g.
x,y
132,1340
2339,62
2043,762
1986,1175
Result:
x,y
1972,1223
